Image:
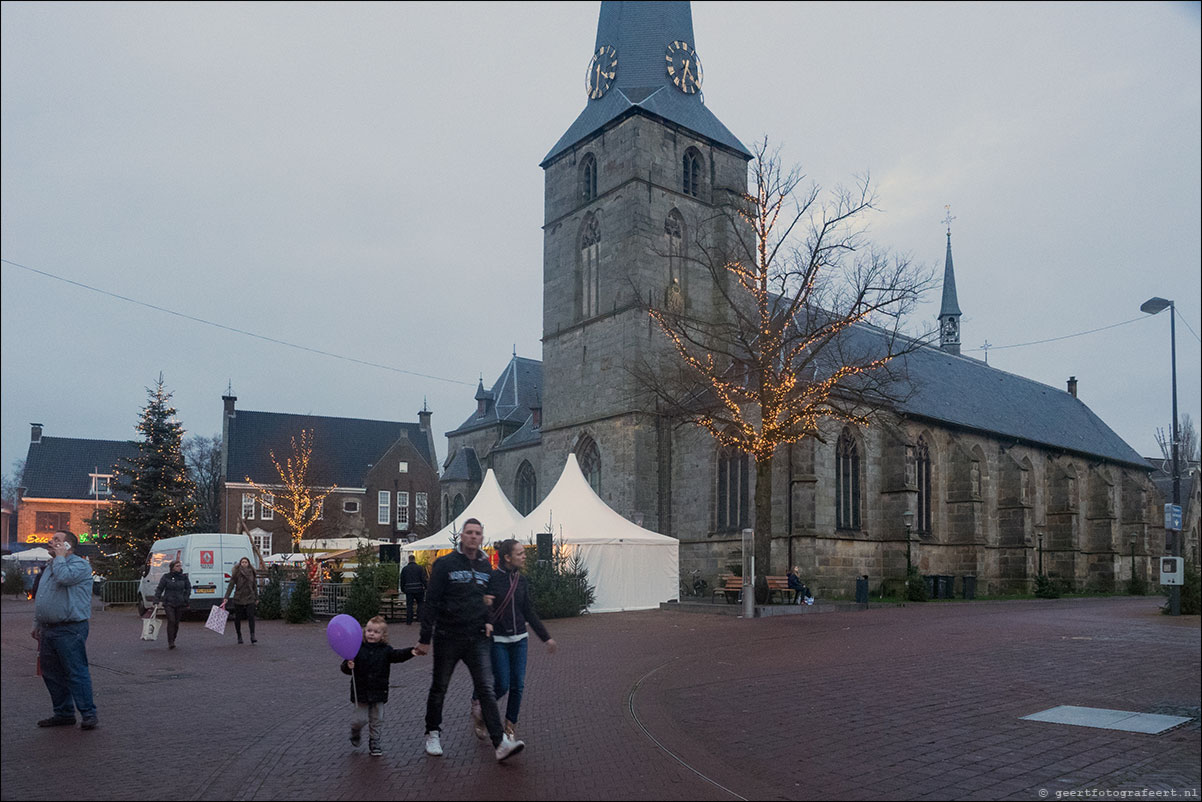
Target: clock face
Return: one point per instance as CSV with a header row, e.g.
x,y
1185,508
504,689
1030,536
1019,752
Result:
x,y
601,71
684,68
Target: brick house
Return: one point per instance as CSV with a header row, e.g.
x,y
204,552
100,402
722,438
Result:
x,y
66,480
384,473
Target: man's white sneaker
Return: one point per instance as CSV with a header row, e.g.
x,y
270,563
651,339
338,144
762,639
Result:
x,y
509,747
433,743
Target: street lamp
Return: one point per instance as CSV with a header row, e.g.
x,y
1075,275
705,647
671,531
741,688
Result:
x,y
1154,306
908,520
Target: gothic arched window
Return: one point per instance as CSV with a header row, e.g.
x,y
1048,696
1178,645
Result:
x,y
732,498
588,178
923,524
692,172
589,459
847,482
525,488
457,505
589,273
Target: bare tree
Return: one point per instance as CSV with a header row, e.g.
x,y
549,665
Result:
x,y
12,481
202,456
805,323
1187,449
296,500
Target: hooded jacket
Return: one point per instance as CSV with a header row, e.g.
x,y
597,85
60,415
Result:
x,y
242,585
454,603
174,589
373,666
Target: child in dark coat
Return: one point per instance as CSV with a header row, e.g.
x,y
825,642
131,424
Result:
x,y
369,681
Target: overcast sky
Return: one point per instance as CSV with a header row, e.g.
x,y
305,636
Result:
x,y
363,180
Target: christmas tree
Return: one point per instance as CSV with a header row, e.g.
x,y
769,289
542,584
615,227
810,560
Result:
x,y
157,495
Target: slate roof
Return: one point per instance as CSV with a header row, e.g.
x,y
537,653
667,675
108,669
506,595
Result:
x,y
967,393
525,436
517,389
61,467
464,467
641,33
344,449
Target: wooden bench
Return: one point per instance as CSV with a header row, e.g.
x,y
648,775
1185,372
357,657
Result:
x,y
729,585
780,584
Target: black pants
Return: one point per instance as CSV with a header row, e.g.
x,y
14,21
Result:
x,y
474,652
246,611
412,601
174,613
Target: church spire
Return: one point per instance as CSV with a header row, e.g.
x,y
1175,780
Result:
x,y
949,311
645,61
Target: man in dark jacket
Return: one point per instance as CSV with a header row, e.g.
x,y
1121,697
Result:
x,y
455,617
413,585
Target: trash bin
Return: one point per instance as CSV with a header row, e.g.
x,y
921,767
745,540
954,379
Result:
x,y
862,590
970,587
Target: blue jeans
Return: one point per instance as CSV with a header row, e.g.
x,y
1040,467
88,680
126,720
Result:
x,y
509,673
64,655
474,654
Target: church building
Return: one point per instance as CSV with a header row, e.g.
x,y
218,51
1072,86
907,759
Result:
x,y
977,473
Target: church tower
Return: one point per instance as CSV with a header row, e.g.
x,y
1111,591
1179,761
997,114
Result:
x,y
643,164
949,311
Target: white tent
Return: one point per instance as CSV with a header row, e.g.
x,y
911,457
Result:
x,y
286,559
36,554
631,568
490,507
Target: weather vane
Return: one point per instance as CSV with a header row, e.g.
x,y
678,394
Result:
x,y
948,220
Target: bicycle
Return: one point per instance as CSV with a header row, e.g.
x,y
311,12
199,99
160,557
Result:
x,y
694,586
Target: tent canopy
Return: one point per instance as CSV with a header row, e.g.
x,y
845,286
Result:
x,y
490,507
631,568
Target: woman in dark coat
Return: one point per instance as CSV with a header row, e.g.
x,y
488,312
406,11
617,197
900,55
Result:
x,y
246,595
174,592
512,609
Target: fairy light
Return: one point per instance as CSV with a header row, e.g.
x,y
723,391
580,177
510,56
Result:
x,y
297,501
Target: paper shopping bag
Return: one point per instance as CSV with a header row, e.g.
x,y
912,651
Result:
x,y
217,618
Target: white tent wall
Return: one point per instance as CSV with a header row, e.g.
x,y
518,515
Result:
x,y
490,506
629,576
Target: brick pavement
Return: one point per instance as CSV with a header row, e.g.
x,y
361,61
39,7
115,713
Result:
x,y
920,702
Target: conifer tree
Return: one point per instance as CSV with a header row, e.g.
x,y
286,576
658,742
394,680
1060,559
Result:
x,y
157,495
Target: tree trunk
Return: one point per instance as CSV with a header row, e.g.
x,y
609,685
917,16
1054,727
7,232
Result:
x,y
763,526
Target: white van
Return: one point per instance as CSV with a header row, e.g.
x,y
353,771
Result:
x,y
208,559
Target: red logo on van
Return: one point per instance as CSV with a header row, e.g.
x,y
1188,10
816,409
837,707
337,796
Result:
x,y
206,559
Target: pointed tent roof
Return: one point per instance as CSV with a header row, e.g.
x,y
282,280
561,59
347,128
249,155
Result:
x,y
573,511
950,305
641,33
490,507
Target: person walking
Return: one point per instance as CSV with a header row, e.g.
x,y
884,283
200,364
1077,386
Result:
x,y
370,672
455,618
413,585
174,591
246,595
62,610
512,609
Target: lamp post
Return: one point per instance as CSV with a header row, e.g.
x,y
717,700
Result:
x,y
1039,537
1154,306
908,520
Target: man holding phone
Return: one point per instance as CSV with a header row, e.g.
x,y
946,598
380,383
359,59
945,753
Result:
x,y
62,609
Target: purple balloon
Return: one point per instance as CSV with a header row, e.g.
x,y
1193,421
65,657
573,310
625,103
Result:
x,y
345,635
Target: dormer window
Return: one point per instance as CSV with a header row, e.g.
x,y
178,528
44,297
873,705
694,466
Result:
x,y
101,484
692,172
588,178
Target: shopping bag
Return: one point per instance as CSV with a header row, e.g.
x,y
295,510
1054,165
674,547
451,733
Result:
x,y
217,618
151,624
